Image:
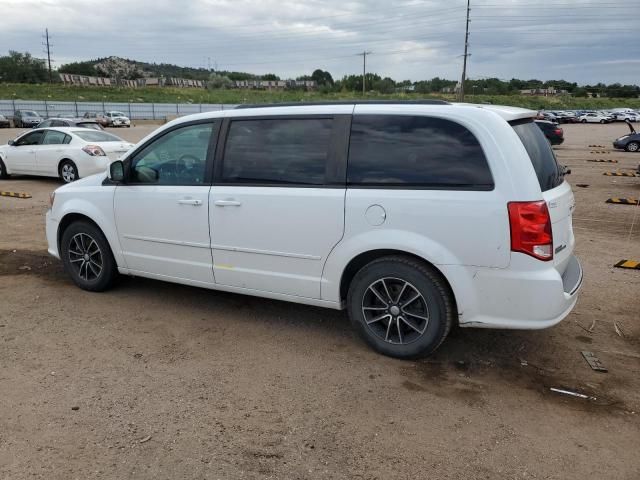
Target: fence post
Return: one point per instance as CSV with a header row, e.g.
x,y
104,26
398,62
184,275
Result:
x,y
46,109
177,112
153,110
103,110
76,104
129,110
200,108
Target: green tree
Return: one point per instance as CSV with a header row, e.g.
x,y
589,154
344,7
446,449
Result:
x,y
22,68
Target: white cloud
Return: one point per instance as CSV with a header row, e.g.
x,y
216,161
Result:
x,y
579,40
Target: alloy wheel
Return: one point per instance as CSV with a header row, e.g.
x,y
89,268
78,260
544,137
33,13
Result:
x,y
395,311
85,256
68,173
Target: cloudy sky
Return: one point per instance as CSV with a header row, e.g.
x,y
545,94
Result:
x,y
585,41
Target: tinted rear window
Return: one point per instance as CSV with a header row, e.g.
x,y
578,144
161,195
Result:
x,y
415,151
542,157
96,136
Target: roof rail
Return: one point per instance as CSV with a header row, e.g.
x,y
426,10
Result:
x,y
344,102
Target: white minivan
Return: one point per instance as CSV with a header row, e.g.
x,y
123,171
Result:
x,y
411,216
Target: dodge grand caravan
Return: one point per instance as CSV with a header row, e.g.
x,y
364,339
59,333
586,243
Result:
x,y
411,216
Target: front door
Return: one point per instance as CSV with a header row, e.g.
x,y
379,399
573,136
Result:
x,y
277,206
162,210
21,156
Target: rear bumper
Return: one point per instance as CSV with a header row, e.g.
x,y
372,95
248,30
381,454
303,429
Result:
x,y
516,298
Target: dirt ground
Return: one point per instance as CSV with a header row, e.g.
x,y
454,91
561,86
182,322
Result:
x,y
159,381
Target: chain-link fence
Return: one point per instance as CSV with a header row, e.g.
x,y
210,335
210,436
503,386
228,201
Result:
x,y
135,111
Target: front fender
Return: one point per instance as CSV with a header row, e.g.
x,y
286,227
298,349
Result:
x,y
100,211
401,240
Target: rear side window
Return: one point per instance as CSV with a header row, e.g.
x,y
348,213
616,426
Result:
x,y
54,137
415,151
540,153
277,151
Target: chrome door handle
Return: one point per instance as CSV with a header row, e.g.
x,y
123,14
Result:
x,y
190,201
227,203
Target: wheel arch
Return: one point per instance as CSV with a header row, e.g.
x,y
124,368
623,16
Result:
x,y
364,258
66,159
74,216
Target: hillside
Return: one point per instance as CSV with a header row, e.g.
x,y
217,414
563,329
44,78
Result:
x,y
132,69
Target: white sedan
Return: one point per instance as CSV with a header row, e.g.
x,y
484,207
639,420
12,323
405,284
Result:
x,y
69,153
118,119
595,118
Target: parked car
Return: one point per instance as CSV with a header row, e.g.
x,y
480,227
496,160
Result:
x,y
550,117
4,122
101,118
595,118
629,142
66,152
70,122
118,119
26,118
413,217
624,116
552,131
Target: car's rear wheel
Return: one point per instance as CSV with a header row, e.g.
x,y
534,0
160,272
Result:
x,y
87,257
3,170
583,121
632,147
68,171
601,121
400,306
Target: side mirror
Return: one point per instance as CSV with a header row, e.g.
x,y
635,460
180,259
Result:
x,y
11,142
116,171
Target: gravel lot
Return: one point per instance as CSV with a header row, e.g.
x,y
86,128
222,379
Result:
x,y
159,381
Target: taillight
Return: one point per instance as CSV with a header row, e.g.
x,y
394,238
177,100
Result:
x,y
531,229
558,131
52,197
94,151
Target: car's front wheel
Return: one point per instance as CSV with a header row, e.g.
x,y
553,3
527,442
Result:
x,y
583,121
632,147
400,306
68,171
87,257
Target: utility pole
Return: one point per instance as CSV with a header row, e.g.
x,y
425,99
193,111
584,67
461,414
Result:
x,y
48,54
466,54
364,69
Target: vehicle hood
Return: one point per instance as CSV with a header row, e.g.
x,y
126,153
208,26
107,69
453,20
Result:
x,y
90,181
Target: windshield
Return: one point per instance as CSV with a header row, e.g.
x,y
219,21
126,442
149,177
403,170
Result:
x,y
97,136
540,153
27,113
117,114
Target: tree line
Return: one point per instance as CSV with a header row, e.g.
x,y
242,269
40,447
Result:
x,y
17,67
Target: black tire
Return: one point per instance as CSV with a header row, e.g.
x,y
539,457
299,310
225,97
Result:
x,y
583,121
68,171
3,170
632,147
79,240
601,121
394,336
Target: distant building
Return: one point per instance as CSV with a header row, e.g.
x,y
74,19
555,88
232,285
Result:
x,y
543,92
274,84
85,80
